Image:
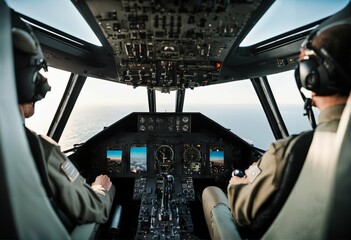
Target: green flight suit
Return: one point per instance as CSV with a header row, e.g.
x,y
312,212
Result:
x,y
246,199
79,200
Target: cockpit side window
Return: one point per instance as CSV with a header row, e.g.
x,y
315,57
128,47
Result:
x,y
45,110
289,101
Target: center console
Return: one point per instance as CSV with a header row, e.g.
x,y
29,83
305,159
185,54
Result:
x,y
164,211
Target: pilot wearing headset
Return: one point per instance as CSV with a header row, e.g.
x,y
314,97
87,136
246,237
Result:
x,y
80,202
325,69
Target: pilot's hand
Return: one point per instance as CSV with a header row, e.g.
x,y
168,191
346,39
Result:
x,y
104,181
98,189
235,180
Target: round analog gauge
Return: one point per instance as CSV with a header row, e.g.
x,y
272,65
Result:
x,y
142,120
185,119
150,120
191,154
185,128
142,128
164,154
159,120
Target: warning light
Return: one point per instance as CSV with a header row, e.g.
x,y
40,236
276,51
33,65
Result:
x,y
218,65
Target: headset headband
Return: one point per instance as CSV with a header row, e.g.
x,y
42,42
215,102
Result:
x,y
318,71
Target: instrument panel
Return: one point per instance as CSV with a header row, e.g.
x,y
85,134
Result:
x,y
153,144
165,157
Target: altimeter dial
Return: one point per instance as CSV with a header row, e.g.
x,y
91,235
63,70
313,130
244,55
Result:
x,y
164,154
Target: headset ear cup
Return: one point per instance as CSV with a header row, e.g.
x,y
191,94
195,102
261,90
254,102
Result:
x,y
309,75
26,84
325,79
312,81
41,87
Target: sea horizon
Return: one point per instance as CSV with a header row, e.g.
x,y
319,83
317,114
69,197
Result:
x,y
247,121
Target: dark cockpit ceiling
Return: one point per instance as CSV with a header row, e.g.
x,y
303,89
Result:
x,y
170,45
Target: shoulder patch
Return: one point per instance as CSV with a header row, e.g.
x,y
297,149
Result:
x,y
252,172
70,170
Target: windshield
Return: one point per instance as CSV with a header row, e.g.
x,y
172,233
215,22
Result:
x,y
234,105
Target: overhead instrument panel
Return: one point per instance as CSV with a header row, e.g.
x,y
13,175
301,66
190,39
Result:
x,y
170,45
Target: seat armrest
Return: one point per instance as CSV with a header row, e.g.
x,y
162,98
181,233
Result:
x,y
223,224
219,219
115,221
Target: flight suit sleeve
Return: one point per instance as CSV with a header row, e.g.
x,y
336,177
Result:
x,y
78,200
246,199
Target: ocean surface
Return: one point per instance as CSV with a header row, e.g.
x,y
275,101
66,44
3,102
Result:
x,y
246,121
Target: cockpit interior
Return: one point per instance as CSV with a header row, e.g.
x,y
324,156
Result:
x,y
142,149
159,161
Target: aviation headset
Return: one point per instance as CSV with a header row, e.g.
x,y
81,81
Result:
x,y
29,59
318,71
